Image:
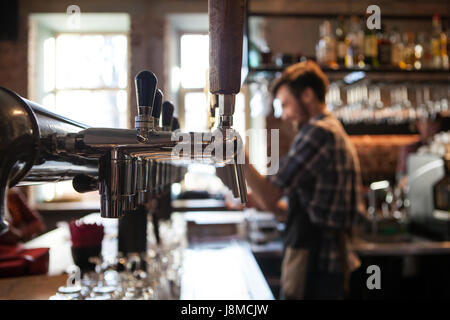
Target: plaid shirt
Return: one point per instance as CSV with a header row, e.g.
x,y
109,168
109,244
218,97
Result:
x,y
321,173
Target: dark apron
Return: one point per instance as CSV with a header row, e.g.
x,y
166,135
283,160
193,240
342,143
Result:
x,y
301,274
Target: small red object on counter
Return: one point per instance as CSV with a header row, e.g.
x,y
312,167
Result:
x,y
85,235
16,261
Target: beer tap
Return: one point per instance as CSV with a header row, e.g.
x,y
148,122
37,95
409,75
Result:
x,y
167,115
226,18
145,83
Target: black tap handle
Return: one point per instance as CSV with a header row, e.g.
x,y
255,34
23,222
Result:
x,y
175,124
167,113
145,83
156,113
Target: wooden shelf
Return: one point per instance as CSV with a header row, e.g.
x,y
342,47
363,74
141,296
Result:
x,y
378,74
274,68
318,15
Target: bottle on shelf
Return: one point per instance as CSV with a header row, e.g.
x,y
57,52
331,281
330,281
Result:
x,y
439,45
341,43
444,51
370,48
448,41
384,47
355,37
423,44
409,52
396,49
419,51
326,47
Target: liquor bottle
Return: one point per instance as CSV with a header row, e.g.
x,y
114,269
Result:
x,y
355,37
326,47
408,52
384,47
419,51
370,48
444,51
423,41
348,54
341,44
397,49
436,42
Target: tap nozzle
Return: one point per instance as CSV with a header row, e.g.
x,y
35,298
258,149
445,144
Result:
x,y
226,104
117,184
142,175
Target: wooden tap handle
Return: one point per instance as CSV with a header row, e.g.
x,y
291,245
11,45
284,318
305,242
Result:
x,y
226,29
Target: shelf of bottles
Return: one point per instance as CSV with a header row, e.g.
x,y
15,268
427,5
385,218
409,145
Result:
x,y
381,81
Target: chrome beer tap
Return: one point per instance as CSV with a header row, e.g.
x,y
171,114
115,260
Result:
x,y
226,19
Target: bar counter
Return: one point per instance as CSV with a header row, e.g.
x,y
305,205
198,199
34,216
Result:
x,y
220,270
226,268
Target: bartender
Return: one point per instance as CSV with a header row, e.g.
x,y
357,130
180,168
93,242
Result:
x,y
320,175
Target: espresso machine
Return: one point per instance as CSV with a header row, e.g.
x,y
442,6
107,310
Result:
x,y
129,166
428,185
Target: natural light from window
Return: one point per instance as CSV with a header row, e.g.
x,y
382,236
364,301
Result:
x,y
194,60
85,78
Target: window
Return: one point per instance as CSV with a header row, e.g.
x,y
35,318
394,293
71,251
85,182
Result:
x,y
82,75
85,78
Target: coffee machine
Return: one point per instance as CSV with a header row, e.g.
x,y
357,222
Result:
x,y
128,166
428,190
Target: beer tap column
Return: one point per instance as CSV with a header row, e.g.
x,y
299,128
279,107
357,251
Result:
x,y
226,28
144,122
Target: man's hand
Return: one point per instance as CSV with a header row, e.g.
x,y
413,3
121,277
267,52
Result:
x,y
264,193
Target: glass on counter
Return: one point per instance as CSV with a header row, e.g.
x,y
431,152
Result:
x,y
155,274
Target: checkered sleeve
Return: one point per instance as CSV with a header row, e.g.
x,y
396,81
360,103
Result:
x,y
308,156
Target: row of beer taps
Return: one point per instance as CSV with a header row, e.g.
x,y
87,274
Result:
x,y
137,165
130,166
